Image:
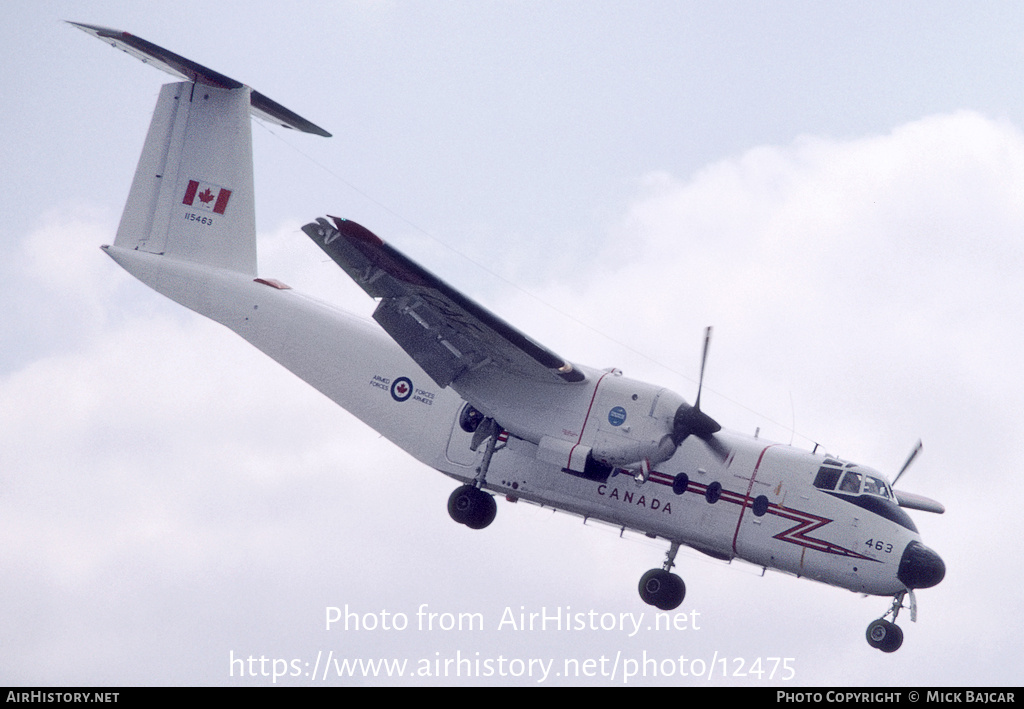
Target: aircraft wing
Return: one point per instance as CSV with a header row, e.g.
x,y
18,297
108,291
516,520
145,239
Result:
x,y
445,332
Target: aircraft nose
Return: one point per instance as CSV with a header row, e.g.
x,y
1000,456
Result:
x,y
920,567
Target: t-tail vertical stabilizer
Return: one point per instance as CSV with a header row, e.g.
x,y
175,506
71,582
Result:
x,y
192,196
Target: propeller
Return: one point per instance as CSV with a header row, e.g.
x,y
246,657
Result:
x,y
691,421
909,499
910,459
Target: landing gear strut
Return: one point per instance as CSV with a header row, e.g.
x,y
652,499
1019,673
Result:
x,y
660,587
469,504
885,635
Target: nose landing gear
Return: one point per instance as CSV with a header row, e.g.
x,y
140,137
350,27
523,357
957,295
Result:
x,y
660,587
885,635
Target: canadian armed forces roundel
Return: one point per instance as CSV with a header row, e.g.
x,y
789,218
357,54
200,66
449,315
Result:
x,y
401,389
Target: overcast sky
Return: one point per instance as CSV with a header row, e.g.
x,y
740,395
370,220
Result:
x,y
837,188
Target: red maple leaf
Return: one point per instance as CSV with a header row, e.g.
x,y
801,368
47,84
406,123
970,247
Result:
x,y
205,196
402,388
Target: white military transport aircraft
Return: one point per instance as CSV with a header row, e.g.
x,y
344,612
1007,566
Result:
x,y
471,396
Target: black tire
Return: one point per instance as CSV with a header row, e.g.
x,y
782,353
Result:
x,y
893,640
662,589
877,632
484,513
885,636
472,507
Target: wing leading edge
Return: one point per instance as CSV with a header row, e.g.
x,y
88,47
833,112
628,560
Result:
x,y
445,332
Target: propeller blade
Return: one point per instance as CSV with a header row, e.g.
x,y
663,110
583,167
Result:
x,y
910,459
703,361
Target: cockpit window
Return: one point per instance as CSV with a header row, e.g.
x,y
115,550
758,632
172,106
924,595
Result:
x,y
827,478
876,486
850,483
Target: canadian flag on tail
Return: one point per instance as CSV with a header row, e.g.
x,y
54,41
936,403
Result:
x,y
204,195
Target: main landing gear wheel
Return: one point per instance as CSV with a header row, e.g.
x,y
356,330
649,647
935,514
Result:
x,y
662,589
472,507
885,636
469,504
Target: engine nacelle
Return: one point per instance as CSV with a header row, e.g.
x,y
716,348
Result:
x,y
629,425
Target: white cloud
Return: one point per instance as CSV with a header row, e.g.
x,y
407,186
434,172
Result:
x,y
889,256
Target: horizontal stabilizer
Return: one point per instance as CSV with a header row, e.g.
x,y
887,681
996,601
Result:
x,y
176,65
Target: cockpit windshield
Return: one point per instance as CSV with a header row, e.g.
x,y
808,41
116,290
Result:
x,y
851,482
851,479
875,486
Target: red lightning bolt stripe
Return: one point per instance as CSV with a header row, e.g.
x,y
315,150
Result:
x,y
805,524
